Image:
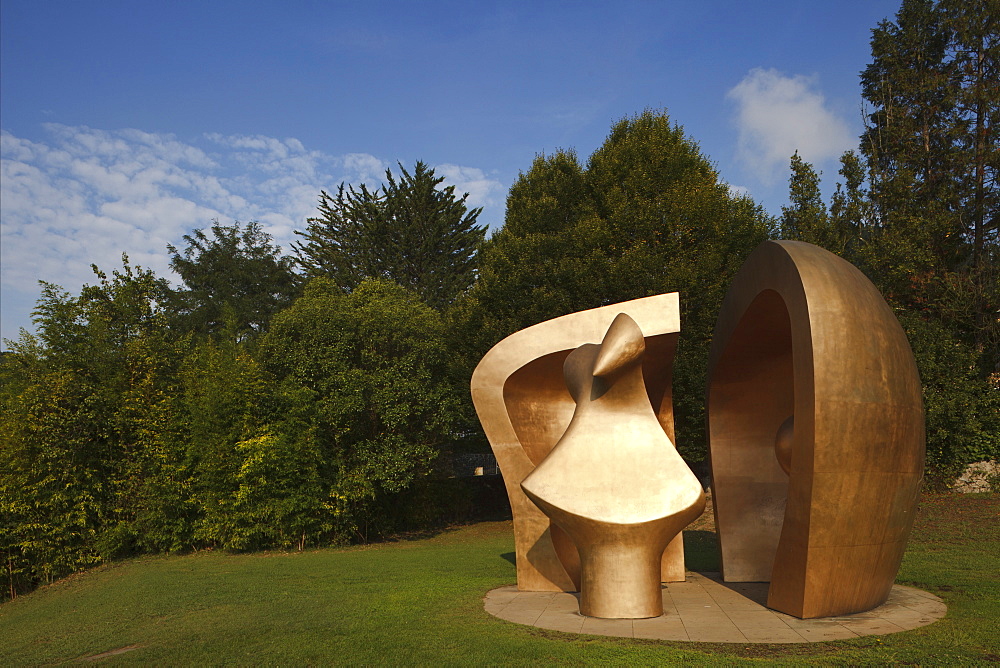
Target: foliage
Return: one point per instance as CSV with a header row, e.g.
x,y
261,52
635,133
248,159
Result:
x,y
368,375
90,397
647,215
918,211
235,280
933,150
222,396
850,207
51,482
963,411
410,231
120,435
806,218
280,495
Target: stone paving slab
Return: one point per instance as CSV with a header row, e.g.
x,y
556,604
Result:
x,y
704,609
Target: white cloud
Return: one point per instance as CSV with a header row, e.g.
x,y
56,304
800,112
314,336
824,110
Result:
x,y
738,191
368,168
482,191
778,115
83,196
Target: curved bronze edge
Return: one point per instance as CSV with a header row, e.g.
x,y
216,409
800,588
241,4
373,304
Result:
x,y
804,334
507,386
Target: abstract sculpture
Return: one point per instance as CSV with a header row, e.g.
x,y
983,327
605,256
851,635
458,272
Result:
x,y
816,432
614,482
525,407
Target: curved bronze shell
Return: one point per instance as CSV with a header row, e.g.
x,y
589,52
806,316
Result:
x,y
810,372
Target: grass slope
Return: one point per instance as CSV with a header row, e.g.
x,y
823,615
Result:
x,y
419,602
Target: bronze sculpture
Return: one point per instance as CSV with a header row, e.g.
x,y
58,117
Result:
x,y
614,482
816,441
525,407
816,432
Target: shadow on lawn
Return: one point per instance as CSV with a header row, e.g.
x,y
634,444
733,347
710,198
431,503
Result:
x,y
701,551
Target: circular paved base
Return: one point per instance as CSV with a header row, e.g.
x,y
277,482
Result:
x,y
704,609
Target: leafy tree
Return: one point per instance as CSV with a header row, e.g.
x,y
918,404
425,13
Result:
x,y
281,498
548,259
254,485
963,411
221,401
52,481
647,215
806,218
551,197
236,275
133,356
365,378
410,231
90,400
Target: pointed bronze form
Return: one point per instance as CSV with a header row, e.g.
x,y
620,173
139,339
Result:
x,y
614,482
816,432
524,406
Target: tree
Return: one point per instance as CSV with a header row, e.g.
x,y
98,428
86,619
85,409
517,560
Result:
x,y
850,206
933,150
806,218
362,381
974,48
647,215
918,208
53,481
253,467
88,405
411,231
236,275
963,411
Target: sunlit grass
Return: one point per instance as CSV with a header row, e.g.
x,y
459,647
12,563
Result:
x,y
420,602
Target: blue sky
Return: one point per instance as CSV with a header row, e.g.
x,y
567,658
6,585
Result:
x,y
127,124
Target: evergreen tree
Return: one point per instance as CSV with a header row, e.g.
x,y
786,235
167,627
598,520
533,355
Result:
x,y
924,227
806,218
236,275
647,215
850,206
410,231
933,150
974,28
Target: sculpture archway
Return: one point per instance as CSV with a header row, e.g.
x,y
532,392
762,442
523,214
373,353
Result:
x,y
810,369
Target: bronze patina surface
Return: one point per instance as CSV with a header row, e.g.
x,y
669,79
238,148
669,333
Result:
x,y
525,407
816,432
614,481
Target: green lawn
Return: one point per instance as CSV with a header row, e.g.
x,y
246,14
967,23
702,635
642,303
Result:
x,y
420,602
